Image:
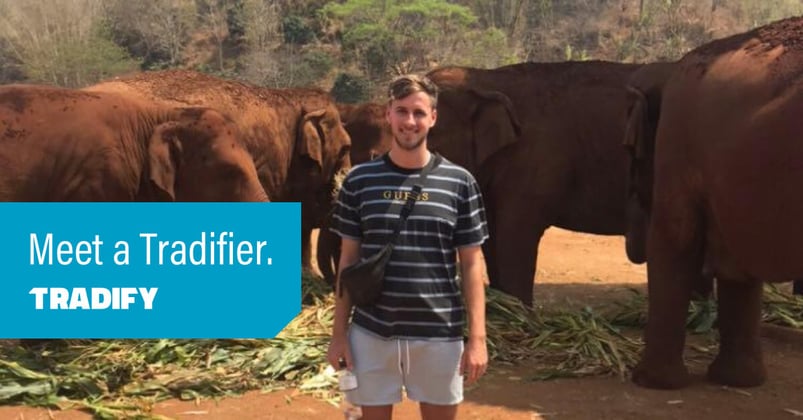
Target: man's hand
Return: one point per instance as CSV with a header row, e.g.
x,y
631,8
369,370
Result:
x,y
475,354
339,349
475,359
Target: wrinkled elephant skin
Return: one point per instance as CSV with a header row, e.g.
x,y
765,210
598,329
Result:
x,y
367,126
67,145
544,141
726,197
295,136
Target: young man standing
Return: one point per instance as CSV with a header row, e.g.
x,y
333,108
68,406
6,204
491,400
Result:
x,y
412,337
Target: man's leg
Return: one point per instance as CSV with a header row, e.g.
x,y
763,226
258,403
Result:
x,y
797,287
438,412
432,377
377,412
379,376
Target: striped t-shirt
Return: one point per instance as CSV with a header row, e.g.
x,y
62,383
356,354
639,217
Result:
x,y
421,298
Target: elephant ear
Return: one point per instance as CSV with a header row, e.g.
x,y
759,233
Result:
x,y
346,112
495,124
164,148
637,123
310,138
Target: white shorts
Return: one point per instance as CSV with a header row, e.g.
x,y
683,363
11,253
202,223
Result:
x,y
428,370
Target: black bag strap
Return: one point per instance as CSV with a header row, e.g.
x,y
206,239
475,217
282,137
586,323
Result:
x,y
416,192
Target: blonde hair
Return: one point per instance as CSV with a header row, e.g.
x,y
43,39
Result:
x,y
408,84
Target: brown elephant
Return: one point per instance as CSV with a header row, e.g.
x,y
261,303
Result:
x,y
725,195
59,144
544,141
367,125
645,88
645,92
370,137
295,136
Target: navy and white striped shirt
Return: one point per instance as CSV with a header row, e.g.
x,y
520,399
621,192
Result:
x,y
421,298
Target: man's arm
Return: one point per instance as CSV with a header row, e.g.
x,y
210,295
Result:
x,y
339,346
475,356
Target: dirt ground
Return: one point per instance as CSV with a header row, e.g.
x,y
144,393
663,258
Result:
x,y
574,269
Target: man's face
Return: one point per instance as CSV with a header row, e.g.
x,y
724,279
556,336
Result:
x,y
410,119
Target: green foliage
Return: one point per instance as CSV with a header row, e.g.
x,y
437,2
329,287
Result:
x,y
318,64
214,70
385,36
573,55
413,16
10,67
350,88
99,58
76,64
234,20
155,31
356,11
487,48
758,13
62,42
285,68
296,31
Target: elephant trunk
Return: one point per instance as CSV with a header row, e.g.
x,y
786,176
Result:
x,y
260,195
638,222
337,182
328,254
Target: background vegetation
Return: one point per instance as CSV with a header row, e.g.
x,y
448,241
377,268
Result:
x,y
351,47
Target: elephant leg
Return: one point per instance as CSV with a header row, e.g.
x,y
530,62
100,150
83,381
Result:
x,y
513,248
489,250
704,286
328,255
674,265
797,287
306,250
739,362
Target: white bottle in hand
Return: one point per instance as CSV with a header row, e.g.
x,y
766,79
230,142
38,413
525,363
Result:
x,y
347,381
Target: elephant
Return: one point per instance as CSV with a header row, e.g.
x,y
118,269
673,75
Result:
x,y
544,141
644,90
717,180
59,144
368,129
644,93
295,136
370,137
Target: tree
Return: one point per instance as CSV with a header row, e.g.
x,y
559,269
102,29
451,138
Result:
x,y
396,36
350,88
214,18
296,30
10,68
260,20
155,30
61,42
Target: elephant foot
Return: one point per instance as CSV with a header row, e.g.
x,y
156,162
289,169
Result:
x,y
310,271
740,372
661,375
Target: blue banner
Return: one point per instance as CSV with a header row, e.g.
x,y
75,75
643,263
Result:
x,y
149,270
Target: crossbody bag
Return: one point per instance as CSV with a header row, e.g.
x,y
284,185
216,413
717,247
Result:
x,y
363,280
